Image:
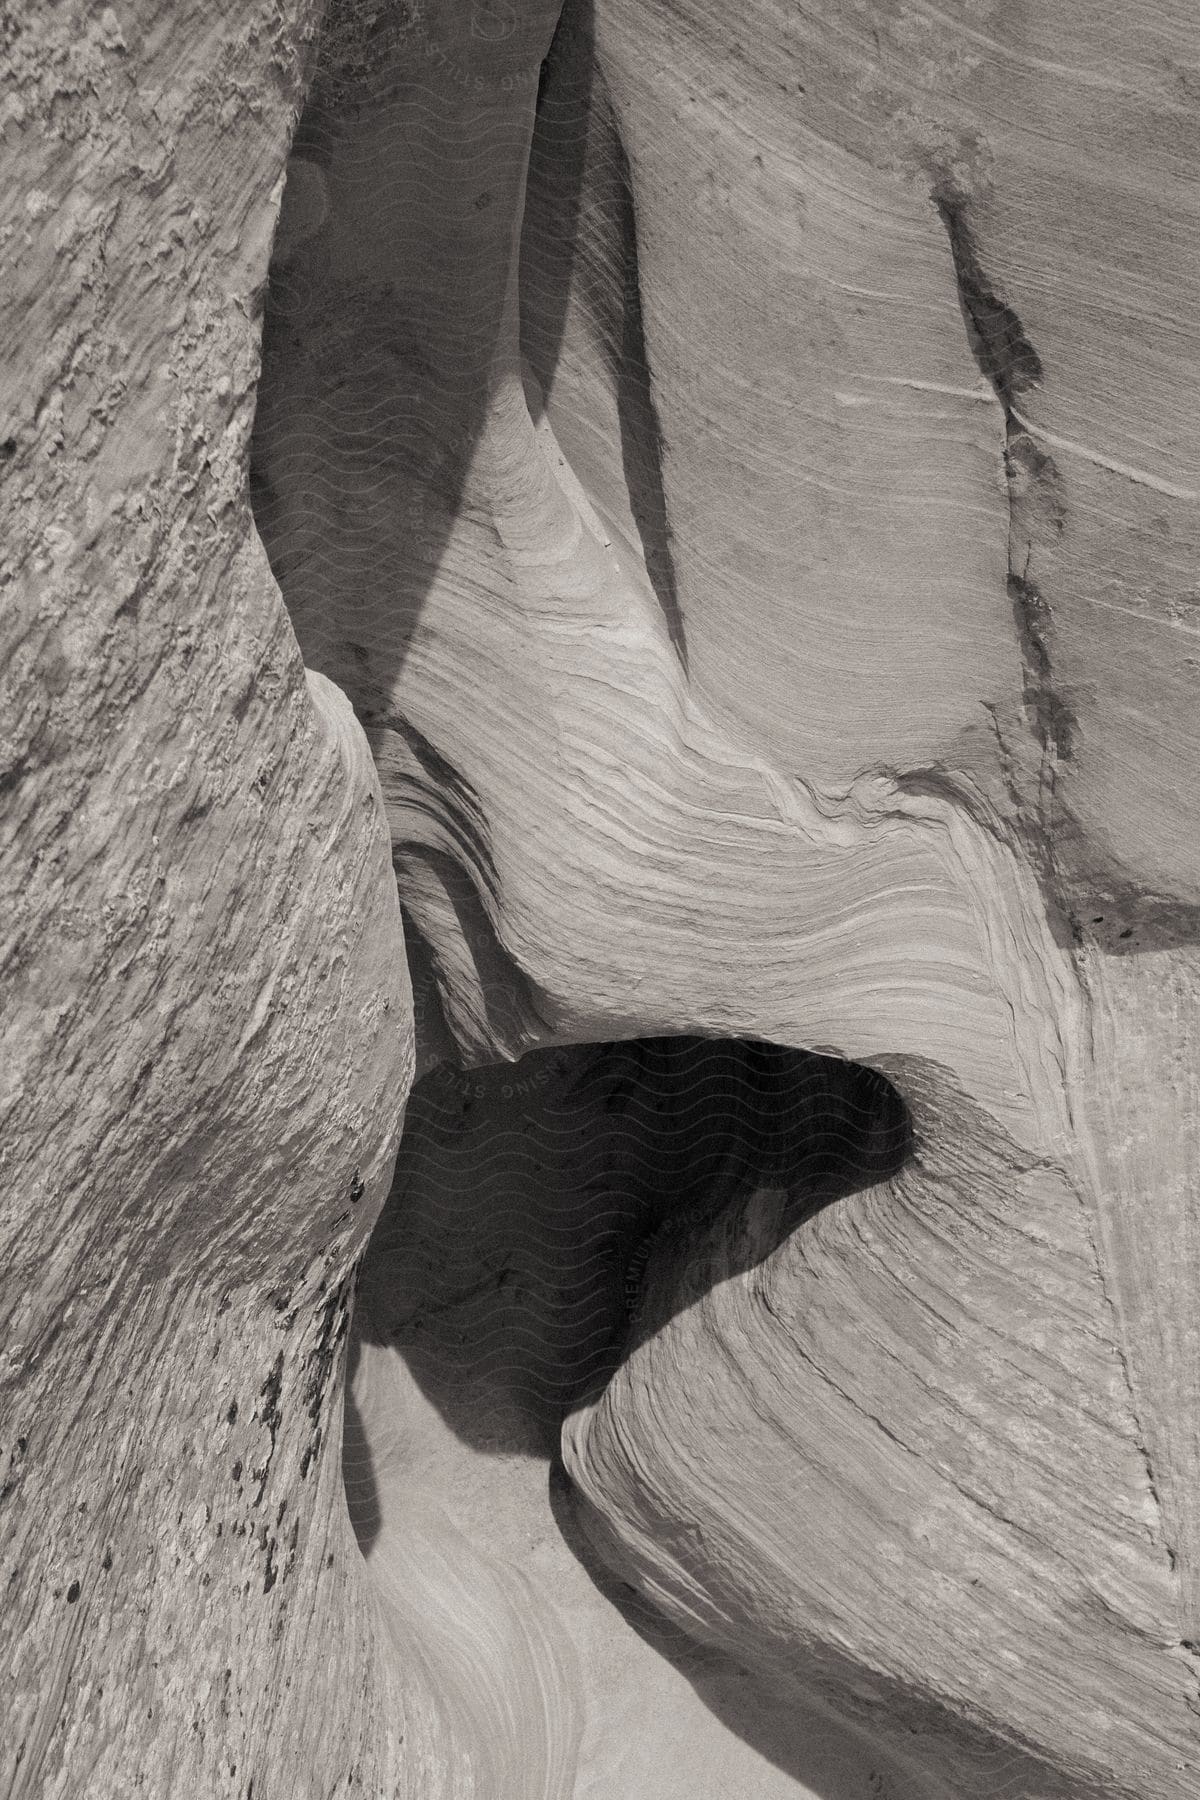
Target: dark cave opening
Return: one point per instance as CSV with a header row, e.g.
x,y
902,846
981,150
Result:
x,y
543,1215
532,1202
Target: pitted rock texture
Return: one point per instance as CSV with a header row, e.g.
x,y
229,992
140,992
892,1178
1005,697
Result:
x,y
740,471
206,1019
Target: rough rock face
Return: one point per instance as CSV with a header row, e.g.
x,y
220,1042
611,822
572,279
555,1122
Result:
x,y
207,1026
740,469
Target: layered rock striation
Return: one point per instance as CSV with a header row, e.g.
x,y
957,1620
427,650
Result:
x,y
740,473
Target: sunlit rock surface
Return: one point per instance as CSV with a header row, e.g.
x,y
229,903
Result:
x,y
740,471
206,1021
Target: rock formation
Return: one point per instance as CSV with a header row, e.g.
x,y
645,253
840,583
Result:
x,y
637,564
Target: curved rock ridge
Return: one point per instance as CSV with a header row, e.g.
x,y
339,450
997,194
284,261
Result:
x,y
503,1279
695,584
644,797
963,297
946,1430
730,484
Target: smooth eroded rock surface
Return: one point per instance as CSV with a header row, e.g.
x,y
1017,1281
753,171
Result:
x,y
679,527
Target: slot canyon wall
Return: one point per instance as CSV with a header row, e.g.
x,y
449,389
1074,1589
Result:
x,y
601,961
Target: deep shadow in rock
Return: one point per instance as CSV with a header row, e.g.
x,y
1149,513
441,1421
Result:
x,y
586,255
508,1263
384,313
358,1468
529,1206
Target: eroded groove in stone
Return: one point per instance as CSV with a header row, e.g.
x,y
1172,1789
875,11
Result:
x,y
503,1281
824,831
854,350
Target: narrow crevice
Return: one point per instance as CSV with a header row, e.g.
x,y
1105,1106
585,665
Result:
x,y
1037,517
434,790
1053,720
641,429
1009,361
1143,1449
580,246
998,341
487,1002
